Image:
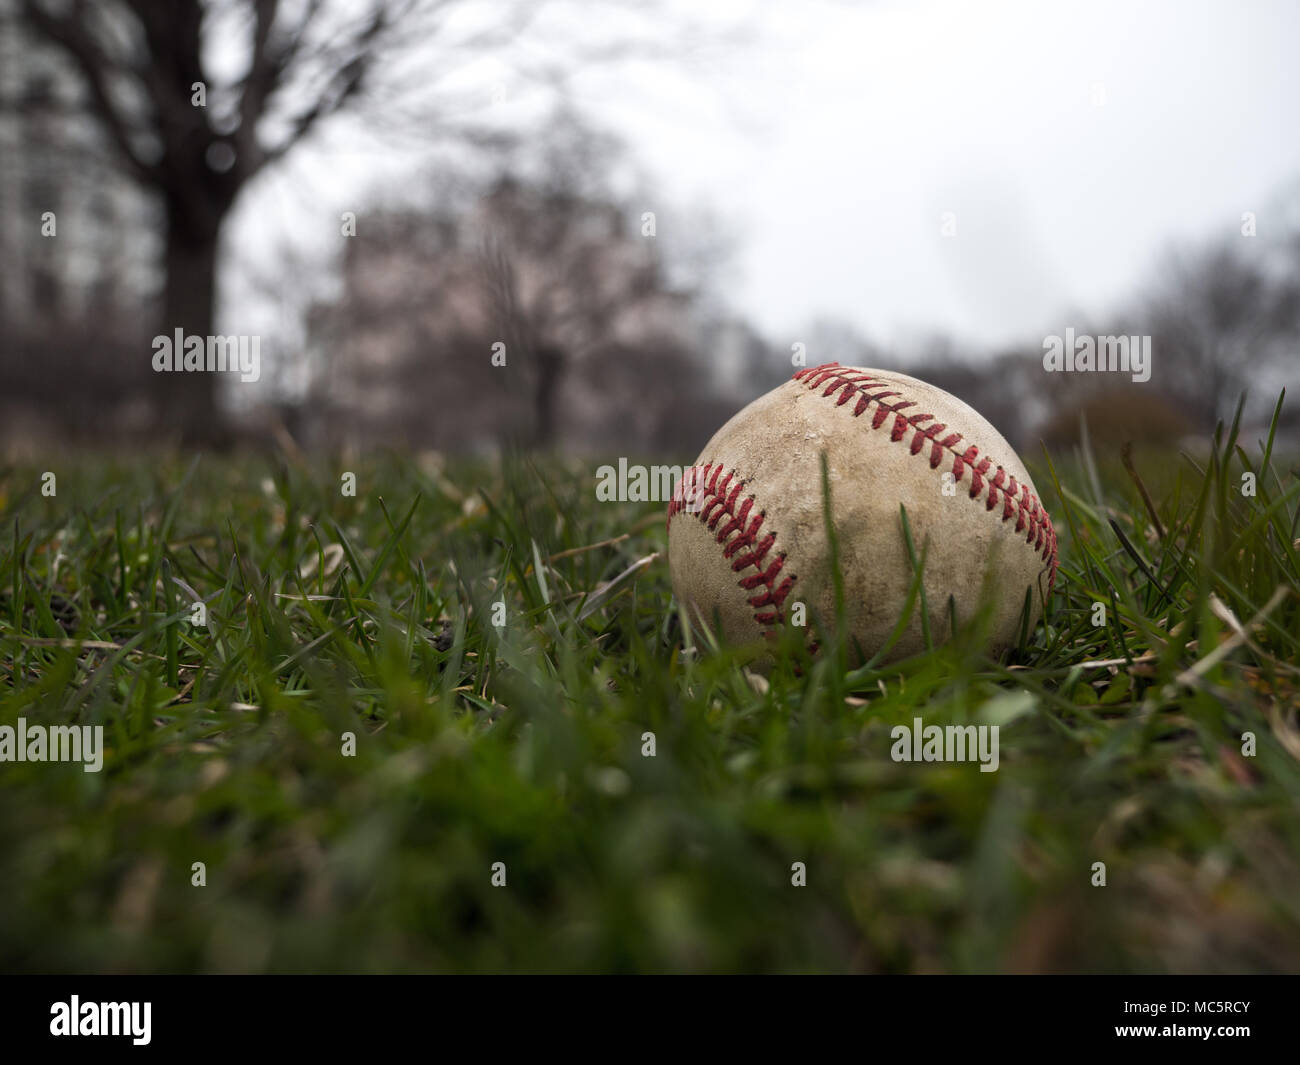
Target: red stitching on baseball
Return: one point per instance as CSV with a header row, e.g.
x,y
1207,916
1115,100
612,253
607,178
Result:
x,y
1031,517
711,501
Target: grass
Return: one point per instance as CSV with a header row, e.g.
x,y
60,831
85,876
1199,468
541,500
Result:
x,y
525,742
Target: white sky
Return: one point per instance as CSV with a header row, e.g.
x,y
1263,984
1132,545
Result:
x,y
832,144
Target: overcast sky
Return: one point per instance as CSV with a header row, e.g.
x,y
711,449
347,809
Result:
x,y
1073,143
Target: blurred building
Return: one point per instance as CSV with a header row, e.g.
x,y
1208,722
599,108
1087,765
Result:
x,y
598,351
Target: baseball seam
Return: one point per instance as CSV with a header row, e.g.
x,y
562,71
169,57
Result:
x,y
710,500
1017,500
711,497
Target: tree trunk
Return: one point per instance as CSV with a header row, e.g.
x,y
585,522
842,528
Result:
x,y
550,364
186,403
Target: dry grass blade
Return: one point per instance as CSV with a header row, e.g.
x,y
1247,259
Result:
x,y
600,595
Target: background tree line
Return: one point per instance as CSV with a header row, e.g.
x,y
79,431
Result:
x,y
608,341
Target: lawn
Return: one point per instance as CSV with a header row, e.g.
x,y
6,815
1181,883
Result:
x,y
454,722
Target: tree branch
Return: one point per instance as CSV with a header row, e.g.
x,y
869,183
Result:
x,y
265,67
96,67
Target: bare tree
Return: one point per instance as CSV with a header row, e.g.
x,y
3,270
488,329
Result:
x,y
600,346
565,267
1218,318
196,138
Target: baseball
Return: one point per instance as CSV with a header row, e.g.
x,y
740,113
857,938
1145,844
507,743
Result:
x,y
747,544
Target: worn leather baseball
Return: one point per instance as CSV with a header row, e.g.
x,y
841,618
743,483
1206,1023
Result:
x,y
746,536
